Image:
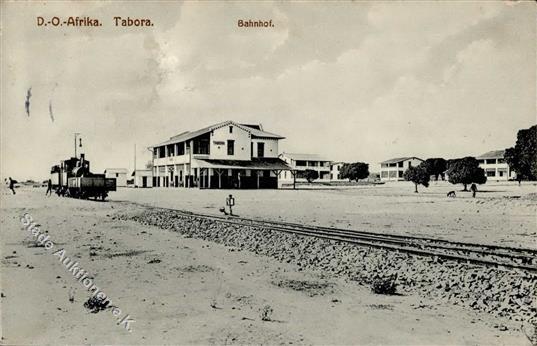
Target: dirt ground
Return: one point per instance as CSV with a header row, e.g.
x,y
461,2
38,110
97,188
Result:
x,y
502,213
187,291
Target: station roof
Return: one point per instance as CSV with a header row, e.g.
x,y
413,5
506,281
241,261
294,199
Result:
x,y
254,130
495,154
256,163
304,157
400,159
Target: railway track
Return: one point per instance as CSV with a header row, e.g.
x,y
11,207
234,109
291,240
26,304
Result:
x,y
438,249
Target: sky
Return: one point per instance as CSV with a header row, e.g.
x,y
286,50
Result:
x,y
351,81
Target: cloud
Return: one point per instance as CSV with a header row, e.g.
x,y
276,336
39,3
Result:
x,y
349,80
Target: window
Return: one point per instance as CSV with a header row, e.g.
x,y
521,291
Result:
x,y
230,147
171,150
300,163
491,173
231,129
117,175
400,164
400,174
384,174
501,160
491,161
181,148
260,149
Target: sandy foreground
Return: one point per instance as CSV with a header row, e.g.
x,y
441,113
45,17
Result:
x,y
188,291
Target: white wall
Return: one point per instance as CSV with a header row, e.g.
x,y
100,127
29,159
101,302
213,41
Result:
x,y
271,147
121,178
242,144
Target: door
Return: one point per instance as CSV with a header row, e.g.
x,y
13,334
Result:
x,y
260,149
144,181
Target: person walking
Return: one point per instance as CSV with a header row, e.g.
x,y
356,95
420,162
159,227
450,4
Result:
x,y
49,188
473,188
12,185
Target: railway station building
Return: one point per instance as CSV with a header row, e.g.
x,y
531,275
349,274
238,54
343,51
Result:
x,y
224,155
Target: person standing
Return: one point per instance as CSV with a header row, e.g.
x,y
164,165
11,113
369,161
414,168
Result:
x,y
49,188
12,185
473,188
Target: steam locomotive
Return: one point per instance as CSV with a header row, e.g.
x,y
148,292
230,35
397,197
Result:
x,y
72,178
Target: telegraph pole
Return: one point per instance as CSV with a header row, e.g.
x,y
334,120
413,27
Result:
x,y
76,135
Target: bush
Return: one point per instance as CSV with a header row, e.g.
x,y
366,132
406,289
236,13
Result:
x,y
310,175
384,284
417,175
466,171
354,171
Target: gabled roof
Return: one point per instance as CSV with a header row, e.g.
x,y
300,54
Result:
x,y
401,159
495,154
254,130
304,157
116,170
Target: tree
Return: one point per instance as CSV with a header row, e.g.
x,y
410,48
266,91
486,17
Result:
x,y
436,166
418,175
354,171
522,158
310,175
466,171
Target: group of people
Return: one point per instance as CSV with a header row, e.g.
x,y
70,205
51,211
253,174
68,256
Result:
x,y
12,182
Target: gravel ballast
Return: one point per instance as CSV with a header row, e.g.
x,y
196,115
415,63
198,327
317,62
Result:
x,y
505,293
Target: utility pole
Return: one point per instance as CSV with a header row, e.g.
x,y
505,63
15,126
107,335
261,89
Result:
x,y
76,135
134,171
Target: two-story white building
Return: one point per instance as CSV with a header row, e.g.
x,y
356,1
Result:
x,y
223,155
393,169
335,171
299,163
495,167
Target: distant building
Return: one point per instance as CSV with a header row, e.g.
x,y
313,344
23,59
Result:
x,y
495,166
335,171
393,170
223,155
302,162
142,178
119,173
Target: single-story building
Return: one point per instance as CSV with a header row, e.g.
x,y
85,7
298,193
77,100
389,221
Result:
x,y
142,178
119,173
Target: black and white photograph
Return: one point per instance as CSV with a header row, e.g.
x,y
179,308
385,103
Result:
x,y
268,172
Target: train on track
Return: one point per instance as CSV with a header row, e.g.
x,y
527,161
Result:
x,y
73,178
